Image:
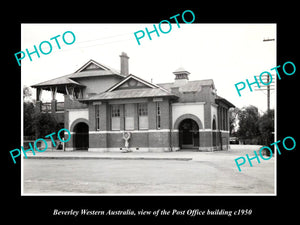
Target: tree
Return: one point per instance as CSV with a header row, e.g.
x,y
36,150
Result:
x,y
36,124
233,116
266,127
44,124
248,123
27,94
28,113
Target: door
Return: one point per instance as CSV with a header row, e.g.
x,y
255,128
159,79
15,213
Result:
x,y
188,134
81,137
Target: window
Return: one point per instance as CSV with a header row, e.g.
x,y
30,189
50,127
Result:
x,y
129,116
157,115
143,109
143,116
226,119
115,117
97,116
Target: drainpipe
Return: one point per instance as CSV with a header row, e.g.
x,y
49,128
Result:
x,y
170,125
63,144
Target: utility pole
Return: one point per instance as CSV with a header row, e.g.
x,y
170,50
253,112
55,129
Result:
x,y
269,39
269,87
268,94
268,78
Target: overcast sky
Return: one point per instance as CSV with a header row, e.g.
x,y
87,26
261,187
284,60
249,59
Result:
x,y
226,53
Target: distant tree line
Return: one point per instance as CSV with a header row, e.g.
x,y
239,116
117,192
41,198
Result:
x,y
250,127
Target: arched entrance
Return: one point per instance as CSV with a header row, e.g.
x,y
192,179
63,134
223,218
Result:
x,y
188,134
81,136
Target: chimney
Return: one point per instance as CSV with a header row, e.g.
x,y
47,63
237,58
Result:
x,y
124,64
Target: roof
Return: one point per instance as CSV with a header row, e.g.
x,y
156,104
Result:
x,y
195,86
93,68
89,69
226,102
93,73
131,76
130,93
149,90
57,81
190,86
93,64
181,70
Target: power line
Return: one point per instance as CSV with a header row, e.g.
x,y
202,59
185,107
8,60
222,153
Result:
x,y
104,38
268,88
99,39
78,47
104,43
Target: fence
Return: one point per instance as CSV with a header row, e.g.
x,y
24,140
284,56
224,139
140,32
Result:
x,y
46,107
41,145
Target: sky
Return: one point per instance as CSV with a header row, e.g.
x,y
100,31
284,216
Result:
x,y
226,53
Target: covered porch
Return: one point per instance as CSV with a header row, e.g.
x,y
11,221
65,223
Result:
x,y
62,85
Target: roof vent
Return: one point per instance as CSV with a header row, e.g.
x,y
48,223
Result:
x,y
181,76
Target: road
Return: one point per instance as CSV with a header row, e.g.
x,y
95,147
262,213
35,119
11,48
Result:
x,y
208,173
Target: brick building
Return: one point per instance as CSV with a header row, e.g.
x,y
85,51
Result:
x,y
101,104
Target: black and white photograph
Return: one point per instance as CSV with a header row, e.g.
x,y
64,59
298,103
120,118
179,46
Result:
x,y
166,111
169,118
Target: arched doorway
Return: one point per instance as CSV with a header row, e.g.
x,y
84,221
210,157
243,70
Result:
x,y
188,134
81,136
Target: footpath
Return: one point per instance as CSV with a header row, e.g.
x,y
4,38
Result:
x,y
113,155
184,155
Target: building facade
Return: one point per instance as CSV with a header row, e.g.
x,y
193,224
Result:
x,y
103,107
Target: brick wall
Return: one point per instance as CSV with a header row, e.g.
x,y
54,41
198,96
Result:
x,y
105,138
205,141
204,95
73,104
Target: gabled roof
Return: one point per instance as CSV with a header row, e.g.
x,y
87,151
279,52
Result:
x,y
92,64
89,69
147,90
93,68
131,76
